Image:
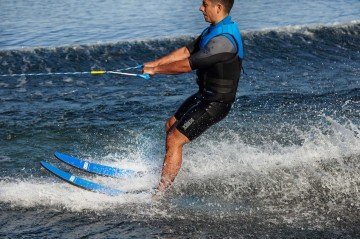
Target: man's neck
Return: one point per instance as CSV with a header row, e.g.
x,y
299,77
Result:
x,y
219,19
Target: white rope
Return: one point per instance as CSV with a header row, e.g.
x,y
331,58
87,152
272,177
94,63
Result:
x,y
46,74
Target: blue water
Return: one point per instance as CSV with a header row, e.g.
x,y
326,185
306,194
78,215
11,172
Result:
x,y
283,164
54,23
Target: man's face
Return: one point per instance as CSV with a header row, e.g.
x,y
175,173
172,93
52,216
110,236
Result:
x,y
209,10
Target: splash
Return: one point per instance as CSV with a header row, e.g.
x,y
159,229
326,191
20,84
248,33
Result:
x,y
323,169
51,192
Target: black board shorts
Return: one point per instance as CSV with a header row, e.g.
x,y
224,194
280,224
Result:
x,y
196,115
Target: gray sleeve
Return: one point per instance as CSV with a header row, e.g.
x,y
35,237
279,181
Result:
x,y
193,46
218,49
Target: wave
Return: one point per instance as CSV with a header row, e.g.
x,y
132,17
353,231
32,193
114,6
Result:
x,y
328,43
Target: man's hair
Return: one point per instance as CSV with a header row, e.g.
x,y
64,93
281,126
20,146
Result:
x,y
228,4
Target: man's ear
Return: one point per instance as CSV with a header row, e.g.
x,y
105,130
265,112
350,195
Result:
x,y
219,8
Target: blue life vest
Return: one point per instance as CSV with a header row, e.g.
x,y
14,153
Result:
x,y
227,28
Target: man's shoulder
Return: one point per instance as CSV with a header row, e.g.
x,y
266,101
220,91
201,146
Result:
x,y
225,42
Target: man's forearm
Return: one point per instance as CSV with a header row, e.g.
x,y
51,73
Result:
x,y
176,67
177,55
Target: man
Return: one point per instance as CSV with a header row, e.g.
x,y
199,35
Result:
x,y
217,56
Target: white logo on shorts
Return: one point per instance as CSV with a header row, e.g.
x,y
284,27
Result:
x,y
188,123
86,165
72,179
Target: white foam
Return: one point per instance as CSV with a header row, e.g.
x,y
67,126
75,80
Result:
x,y
32,193
342,140
55,193
305,27
225,161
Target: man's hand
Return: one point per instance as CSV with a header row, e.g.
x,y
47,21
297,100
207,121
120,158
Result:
x,y
148,70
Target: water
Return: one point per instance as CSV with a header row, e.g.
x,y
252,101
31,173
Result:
x,y
54,23
283,164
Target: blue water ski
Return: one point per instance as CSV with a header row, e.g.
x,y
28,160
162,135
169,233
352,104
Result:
x,y
87,166
80,182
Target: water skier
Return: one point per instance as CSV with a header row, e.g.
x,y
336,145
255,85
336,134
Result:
x,y
217,56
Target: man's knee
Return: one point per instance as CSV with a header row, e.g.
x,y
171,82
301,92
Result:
x,y
176,138
170,123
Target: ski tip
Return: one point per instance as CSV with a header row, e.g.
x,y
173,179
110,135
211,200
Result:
x,y
62,156
44,163
57,153
47,166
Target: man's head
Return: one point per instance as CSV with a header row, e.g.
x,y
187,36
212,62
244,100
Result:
x,y
215,10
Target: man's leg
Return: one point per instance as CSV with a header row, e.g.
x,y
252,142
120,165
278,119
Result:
x,y
175,141
197,119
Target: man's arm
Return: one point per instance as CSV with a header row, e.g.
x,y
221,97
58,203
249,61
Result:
x,y
176,67
177,55
174,63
